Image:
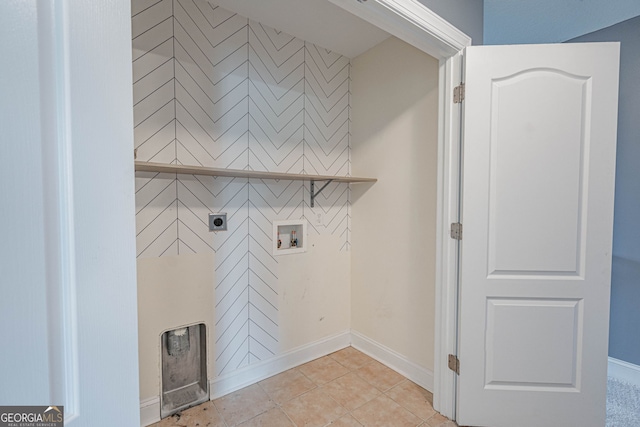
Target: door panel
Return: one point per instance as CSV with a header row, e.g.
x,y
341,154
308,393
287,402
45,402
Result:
x,y
522,136
550,356
537,210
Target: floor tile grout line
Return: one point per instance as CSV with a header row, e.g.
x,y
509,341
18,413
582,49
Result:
x,y
319,387
349,371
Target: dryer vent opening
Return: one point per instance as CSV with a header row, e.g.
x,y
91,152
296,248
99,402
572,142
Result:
x,y
184,369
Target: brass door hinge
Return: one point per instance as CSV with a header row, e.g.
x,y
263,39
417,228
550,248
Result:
x,y
456,231
458,94
454,364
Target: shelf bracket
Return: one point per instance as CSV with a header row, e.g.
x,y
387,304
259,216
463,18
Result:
x,y
314,193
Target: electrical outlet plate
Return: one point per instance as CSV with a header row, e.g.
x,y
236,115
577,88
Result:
x,y
217,222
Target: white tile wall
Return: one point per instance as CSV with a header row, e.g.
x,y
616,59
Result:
x,y
215,89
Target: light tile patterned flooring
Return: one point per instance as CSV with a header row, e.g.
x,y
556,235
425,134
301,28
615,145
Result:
x,y
346,388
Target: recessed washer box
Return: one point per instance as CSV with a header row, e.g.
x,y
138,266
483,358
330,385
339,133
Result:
x,y
292,236
184,369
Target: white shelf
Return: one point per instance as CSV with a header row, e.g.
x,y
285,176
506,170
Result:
x,y
237,173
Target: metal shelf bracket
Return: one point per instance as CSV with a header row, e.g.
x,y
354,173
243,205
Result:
x,y
314,193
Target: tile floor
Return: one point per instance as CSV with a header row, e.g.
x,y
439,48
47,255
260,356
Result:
x,y
346,388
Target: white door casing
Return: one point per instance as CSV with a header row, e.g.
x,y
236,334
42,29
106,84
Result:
x,y
537,212
69,303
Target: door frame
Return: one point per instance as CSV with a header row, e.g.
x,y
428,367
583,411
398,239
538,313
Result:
x,y
408,20
415,24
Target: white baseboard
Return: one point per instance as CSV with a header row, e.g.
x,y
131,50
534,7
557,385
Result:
x,y
236,380
419,375
149,411
228,383
624,371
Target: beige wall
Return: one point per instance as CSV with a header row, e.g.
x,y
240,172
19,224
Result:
x,y
315,292
394,138
314,301
173,291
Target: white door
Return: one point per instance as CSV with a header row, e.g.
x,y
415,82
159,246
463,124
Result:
x,y
537,215
67,259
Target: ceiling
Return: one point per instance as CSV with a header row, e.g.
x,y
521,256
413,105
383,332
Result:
x,y
316,21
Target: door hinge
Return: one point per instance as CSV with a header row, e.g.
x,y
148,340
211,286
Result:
x,y
456,231
458,94
454,364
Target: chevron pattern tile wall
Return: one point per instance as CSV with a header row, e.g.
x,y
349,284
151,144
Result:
x,y
216,89
327,150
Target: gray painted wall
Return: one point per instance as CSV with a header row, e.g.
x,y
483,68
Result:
x,y
467,15
551,21
625,288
